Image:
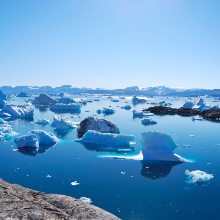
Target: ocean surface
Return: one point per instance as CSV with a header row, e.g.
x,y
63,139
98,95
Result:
x,y
127,188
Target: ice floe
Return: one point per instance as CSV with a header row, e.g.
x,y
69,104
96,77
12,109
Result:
x,y
61,123
43,121
198,177
148,121
86,200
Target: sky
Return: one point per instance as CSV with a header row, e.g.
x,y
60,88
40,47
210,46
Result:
x,y
110,43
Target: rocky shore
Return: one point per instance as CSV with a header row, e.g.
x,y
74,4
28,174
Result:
x,y
210,114
17,202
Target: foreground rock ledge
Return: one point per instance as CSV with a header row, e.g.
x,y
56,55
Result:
x,y
17,202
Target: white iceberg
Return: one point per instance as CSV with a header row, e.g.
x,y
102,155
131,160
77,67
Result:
x,y
35,138
200,102
61,123
159,146
198,177
86,200
107,139
61,106
44,99
148,121
43,121
23,111
6,131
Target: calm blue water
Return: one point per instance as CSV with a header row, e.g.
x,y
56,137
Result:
x,y
140,193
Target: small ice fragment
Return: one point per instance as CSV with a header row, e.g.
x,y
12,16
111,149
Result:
x,y
123,172
75,183
86,200
191,135
48,176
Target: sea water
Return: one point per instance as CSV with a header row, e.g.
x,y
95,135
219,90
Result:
x,y
127,188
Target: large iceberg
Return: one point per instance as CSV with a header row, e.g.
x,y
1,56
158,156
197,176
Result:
x,y
44,99
35,138
23,111
2,99
66,100
61,123
106,139
198,177
61,107
93,123
159,146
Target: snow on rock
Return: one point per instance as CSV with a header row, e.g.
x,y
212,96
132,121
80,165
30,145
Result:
x,y
35,138
23,111
107,139
198,177
43,121
135,100
159,146
2,99
61,123
61,106
44,99
93,123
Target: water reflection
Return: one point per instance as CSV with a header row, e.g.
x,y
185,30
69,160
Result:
x,y
76,112
157,169
32,151
62,133
107,148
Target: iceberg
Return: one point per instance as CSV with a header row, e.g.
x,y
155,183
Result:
x,y
23,111
35,138
106,139
200,102
44,99
159,146
148,121
61,123
23,94
2,99
108,111
136,100
66,100
188,104
43,121
198,177
93,123
137,114
61,107
86,200
126,107
6,131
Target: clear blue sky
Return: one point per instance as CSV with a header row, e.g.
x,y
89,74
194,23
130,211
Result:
x,y
110,43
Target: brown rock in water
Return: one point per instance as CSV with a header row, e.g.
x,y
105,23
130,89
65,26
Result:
x,y
17,202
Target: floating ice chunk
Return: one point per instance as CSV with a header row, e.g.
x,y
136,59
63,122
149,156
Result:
x,y
198,177
159,146
6,131
188,104
75,183
61,123
107,139
148,121
136,100
48,176
23,94
137,114
108,111
126,107
66,100
2,99
61,106
200,102
35,138
86,200
23,111
43,121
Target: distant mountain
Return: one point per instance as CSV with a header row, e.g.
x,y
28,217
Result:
x,y
133,90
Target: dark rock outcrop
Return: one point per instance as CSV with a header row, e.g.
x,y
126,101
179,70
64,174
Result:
x,y
211,114
17,202
95,124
